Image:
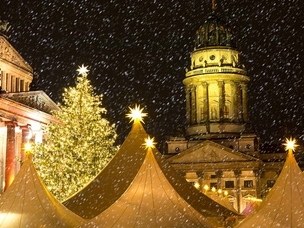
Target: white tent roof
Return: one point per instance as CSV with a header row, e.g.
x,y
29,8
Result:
x,y
27,203
284,204
116,177
150,201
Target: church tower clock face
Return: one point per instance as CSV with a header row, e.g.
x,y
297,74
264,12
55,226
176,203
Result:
x,y
216,84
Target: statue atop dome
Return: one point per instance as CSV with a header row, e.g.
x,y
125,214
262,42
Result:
x,y
4,26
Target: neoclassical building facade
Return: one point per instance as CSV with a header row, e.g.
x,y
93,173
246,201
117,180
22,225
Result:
x,y
219,151
23,113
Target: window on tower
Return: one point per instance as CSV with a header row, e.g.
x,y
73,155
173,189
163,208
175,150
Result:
x,y
229,184
226,112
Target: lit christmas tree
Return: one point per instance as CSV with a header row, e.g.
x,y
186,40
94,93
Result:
x,y
75,151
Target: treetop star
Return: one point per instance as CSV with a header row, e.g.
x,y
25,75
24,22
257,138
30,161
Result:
x,y
82,69
136,114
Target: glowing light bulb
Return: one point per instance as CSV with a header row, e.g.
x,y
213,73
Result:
x,y
206,187
196,185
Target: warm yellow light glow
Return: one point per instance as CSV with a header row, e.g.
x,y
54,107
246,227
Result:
x,y
226,193
27,147
149,142
254,199
82,69
290,144
196,185
206,187
213,189
219,191
136,114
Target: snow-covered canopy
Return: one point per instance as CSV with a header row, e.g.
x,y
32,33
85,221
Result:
x,y
119,174
27,203
150,201
284,204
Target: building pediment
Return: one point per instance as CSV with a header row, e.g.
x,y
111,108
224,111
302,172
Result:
x,y
27,108
8,53
211,152
34,99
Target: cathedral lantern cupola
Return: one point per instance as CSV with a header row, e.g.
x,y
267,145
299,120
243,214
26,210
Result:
x,y
216,83
214,32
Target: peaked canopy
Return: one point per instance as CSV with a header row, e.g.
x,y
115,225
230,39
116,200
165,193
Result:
x,y
117,176
27,203
113,180
284,204
150,201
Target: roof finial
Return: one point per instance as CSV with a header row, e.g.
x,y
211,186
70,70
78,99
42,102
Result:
x,y
213,5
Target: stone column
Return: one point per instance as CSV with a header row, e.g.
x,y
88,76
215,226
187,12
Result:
x,y
233,101
4,81
237,174
221,99
206,103
200,177
26,133
188,106
244,102
10,153
219,175
193,105
238,102
13,83
257,174
1,78
8,83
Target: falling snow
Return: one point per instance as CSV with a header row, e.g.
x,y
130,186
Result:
x,y
137,53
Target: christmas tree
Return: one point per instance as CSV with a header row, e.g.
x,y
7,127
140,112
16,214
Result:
x,y
76,150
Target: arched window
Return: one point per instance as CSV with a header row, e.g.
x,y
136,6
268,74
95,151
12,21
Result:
x,y
226,112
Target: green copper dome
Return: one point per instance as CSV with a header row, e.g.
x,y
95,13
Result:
x,y
214,32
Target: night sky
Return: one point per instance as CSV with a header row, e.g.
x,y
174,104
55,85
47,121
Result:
x,y
137,52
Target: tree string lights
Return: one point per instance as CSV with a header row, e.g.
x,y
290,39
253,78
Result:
x,y
75,151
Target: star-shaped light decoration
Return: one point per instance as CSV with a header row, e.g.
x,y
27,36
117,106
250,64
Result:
x,y
290,144
149,142
136,114
27,147
82,69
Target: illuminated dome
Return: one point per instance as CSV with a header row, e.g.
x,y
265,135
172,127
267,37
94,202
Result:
x,y
214,32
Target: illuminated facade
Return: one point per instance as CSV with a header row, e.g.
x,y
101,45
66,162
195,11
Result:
x,y
22,112
219,149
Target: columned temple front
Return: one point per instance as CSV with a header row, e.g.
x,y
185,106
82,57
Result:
x,y
23,113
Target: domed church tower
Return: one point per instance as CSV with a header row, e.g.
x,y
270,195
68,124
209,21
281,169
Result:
x,y
216,92
219,151
216,84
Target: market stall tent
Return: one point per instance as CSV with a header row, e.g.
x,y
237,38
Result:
x,y
150,201
284,204
27,203
113,181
